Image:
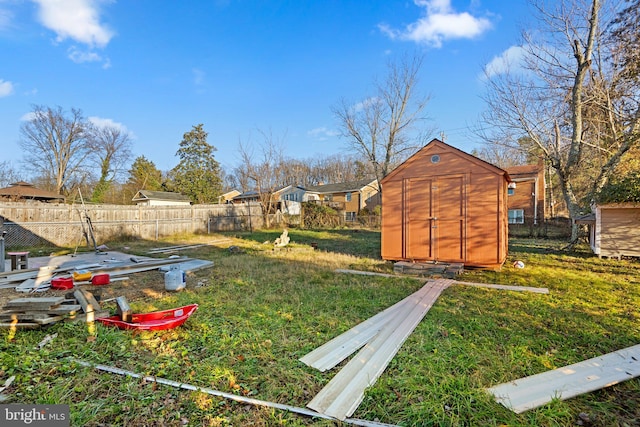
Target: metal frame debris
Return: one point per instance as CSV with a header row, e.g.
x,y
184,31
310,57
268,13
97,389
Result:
x,y
229,396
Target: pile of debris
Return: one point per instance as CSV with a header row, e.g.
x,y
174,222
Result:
x,y
71,275
32,313
115,264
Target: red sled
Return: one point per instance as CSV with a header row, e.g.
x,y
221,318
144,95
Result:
x,y
154,321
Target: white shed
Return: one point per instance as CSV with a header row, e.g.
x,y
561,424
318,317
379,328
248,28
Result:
x,y
160,198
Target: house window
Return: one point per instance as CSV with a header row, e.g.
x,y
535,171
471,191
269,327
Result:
x,y
347,197
511,191
350,216
516,216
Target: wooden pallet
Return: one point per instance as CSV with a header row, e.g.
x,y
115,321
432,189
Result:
x,y
429,269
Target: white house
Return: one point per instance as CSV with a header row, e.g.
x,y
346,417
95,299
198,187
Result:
x,y
160,198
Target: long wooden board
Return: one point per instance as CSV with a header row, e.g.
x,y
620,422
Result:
x,y
339,348
570,381
505,287
342,395
33,303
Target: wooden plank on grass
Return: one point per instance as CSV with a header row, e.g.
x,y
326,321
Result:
x,y
33,303
372,273
20,316
19,325
570,381
339,348
61,309
342,395
87,301
506,287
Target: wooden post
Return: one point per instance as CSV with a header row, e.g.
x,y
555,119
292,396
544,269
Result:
x,y
124,311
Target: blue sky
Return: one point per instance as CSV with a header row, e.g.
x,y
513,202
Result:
x,y
159,67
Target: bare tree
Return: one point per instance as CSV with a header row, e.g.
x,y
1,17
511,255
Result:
x,y
8,173
389,126
111,151
55,144
565,100
264,172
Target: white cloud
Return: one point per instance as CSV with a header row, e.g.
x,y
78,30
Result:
x,y
322,133
198,76
78,20
367,103
441,22
510,59
104,123
6,88
5,19
27,117
79,56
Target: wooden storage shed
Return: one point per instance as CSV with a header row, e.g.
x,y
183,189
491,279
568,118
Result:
x,y
444,205
614,230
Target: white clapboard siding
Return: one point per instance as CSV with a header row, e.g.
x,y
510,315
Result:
x,y
339,348
342,395
570,381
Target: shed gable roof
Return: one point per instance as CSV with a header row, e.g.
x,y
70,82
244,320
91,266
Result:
x,y
437,144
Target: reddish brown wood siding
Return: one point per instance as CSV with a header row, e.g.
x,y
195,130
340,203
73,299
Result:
x,y
453,210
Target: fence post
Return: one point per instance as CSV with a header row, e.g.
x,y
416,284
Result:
x,y
2,251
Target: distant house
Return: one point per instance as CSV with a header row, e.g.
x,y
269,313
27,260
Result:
x,y
160,198
24,191
256,196
614,229
228,196
347,197
526,193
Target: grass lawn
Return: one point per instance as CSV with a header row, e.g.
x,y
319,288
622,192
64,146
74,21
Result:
x,y
260,310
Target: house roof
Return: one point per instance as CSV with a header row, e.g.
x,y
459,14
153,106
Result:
x,y
437,143
230,194
522,171
160,195
589,218
254,193
25,190
341,187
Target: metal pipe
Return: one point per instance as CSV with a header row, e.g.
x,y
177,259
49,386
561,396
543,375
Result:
x,y
235,397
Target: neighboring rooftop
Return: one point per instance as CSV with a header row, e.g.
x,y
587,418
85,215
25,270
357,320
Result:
x,y
341,187
26,191
160,195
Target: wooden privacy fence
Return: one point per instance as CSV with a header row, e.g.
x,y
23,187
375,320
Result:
x,y
31,224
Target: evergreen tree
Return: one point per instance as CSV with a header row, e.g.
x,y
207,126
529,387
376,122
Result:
x,y
198,173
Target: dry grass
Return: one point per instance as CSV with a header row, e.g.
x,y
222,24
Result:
x,y
262,309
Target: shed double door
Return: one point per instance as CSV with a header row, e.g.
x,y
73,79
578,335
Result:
x,y
435,218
